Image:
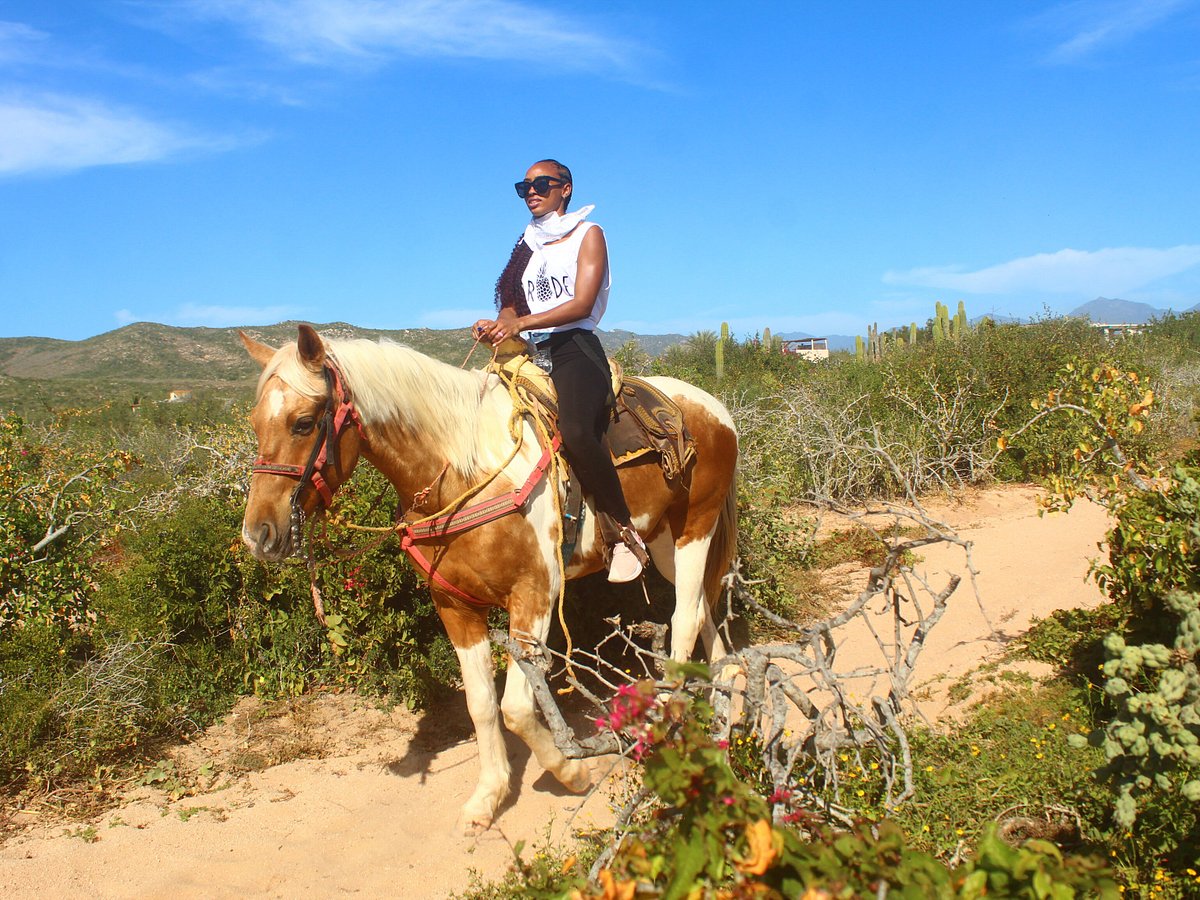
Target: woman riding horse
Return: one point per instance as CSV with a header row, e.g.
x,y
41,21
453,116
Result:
x,y
555,288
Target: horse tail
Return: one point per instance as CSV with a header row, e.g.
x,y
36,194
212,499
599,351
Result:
x,y
722,549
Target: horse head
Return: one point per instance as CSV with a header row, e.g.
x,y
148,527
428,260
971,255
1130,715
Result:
x,y
306,447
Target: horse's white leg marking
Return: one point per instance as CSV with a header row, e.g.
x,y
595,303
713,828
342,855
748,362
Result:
x,y
494,771
690,612
520,717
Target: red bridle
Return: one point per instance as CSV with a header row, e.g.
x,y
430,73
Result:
x,y
339,412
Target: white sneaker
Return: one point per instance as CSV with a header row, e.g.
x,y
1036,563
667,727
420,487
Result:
x,y
624,565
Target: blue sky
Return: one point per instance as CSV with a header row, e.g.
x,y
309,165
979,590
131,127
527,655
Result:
x,y
795,165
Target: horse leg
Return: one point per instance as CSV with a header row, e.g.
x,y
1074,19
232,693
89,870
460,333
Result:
x,y
691,593
467,629
691,614
520,713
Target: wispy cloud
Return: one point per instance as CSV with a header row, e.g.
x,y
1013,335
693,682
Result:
x,y
1085,28
18,42
55,132
193,314
336,32
1110,271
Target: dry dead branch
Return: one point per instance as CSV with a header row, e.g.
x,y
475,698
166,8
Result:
x,y
810,716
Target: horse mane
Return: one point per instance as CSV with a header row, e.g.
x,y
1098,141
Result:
x,y
394,384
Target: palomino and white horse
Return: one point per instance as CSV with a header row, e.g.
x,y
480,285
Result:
x,y
428,426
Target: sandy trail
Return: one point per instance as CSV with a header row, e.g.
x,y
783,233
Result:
x,y
375,814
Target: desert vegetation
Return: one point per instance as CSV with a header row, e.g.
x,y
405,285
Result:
x,y
129,616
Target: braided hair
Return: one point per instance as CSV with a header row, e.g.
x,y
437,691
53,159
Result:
x,y
509,291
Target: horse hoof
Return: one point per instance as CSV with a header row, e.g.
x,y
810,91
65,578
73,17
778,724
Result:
x,y
473,826
576,777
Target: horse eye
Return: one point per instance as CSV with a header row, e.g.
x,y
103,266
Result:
x,y
304,425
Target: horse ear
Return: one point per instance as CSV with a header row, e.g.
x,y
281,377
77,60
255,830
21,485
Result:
x,y
259,352
312,350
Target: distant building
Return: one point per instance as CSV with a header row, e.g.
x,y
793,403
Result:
x,y
1117,329
179,396
813,349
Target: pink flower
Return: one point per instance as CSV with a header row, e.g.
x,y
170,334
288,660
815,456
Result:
x,y
723,744
781,795
727,800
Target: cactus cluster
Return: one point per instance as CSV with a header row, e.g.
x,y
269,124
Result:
x,y
1154,741
946,328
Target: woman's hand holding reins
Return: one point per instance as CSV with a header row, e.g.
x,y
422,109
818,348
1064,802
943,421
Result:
x,y
496,330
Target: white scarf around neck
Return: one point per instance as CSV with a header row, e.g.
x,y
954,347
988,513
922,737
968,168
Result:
x,y
553,227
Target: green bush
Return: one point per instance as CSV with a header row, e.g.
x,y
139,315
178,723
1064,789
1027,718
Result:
x,y
1152,741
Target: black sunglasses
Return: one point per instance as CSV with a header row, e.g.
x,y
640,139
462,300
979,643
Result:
x,y
540,186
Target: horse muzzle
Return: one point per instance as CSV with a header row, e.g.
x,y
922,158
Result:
x,y
268,542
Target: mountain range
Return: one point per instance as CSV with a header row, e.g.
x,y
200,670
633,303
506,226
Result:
x,y
146,359
1128,312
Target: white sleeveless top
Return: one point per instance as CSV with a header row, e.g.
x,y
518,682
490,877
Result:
x,y
549,279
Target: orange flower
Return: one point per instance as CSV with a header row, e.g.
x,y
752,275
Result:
x,y
761,839
815,893
614,890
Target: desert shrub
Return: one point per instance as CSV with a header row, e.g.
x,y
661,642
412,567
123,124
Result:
x,y
1182,330
55,504
1150,730
144,616
1152,740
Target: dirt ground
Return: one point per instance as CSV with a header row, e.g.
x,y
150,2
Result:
x,y
328,795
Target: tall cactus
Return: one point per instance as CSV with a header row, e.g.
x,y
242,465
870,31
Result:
x,y
766,340
721,350
960,321
941,323
912,334
859,349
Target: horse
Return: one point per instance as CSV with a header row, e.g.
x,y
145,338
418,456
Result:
x,y
434,431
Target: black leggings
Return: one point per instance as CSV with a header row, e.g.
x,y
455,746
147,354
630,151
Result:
x,y
584,393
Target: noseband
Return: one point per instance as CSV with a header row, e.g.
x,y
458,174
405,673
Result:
x,y
339,412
